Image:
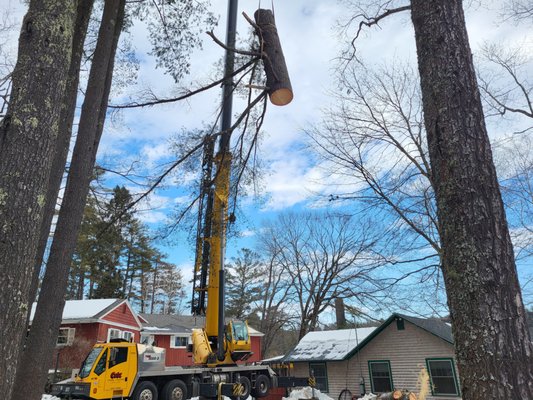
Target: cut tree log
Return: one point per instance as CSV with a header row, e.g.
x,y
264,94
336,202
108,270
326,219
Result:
x,y
397,395
278,81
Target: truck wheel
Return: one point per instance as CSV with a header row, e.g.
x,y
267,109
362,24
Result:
x,y
262,386
247,386
174,390
145,390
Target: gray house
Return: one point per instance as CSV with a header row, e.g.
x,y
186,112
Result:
x,y
380,359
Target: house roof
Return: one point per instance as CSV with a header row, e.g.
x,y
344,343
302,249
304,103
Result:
x,y
158,324
434,326
85,309
342,344
328,345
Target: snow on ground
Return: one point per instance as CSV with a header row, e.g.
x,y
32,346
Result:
x,y
307,393
369,396
49,397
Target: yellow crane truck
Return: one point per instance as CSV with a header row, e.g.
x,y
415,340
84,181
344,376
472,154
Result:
x,y
121,369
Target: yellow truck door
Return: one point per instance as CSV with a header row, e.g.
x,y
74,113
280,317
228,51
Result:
x,y
117,377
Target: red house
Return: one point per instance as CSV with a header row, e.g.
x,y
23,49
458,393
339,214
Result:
x,y
173,332
86,322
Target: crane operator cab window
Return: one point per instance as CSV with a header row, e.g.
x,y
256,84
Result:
x,y
88,364
101,365
240,331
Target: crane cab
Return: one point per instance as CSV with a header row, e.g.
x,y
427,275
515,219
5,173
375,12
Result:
x,y
238,340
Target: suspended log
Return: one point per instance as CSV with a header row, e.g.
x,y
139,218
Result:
x,y
278,82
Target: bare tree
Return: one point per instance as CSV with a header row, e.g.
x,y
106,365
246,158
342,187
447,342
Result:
x,y
374,142
518,9
276,294
505,83
324,257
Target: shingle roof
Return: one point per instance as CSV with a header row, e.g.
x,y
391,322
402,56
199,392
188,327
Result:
x,y
164,324
435,326
158,323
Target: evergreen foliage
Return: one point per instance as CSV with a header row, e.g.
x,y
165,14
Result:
x,y
115,258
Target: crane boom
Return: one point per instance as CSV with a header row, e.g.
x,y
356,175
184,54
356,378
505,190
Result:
x,y
217,344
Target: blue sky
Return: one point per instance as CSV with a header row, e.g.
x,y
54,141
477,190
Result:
x,y
309,32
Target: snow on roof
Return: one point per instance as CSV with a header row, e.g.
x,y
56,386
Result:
x,y
271,359
154,328
328,345
78,309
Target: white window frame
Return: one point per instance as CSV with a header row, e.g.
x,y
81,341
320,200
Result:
x,y
119,336
173,341
70,333
132,336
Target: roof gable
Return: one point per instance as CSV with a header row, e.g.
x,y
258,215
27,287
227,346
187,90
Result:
x,y
434,326
120,312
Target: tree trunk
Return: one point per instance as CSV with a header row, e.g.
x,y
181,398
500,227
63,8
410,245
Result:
x,y
81,283
492,344
154,280
45,326
278,81
83,15
27,139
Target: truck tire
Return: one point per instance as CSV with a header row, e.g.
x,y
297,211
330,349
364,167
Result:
x,y
145,390
247,386
174,390
261,387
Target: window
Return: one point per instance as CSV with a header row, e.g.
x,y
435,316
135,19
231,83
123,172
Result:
x,y
443,377
101,365
87,364
127,336
320,372
66,336
400,325
179,341
113,334
147,339
118,356
380,376
240,330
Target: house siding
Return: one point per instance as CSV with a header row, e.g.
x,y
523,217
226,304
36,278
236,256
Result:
x,y
406,350
85,337
122,315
